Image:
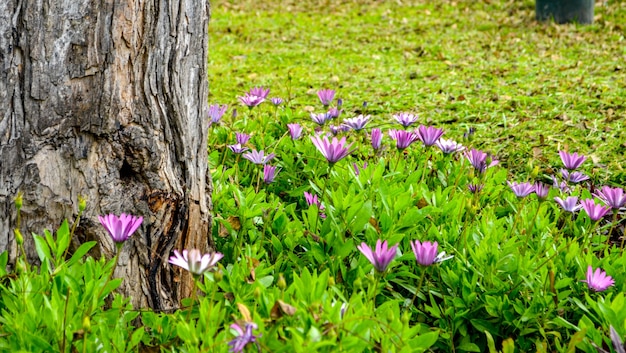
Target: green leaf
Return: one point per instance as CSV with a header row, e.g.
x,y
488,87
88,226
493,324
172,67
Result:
x,y
63,240
81,251
422,342
43,251
490,343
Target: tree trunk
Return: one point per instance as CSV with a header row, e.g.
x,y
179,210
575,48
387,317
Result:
x,y
107,99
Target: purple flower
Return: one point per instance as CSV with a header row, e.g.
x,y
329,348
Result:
x,y
326,96
573,177
474,188
478,159
403,138
357,123
449,146
613,197
377,137
269,173
216,112
598,280
194,262
337,129
571,160
237,148
570,204
541,190
242,138
380,257
357,171
426,253
259,92
429,135
295,131
320,118
250,100
258,157
276,101
243,338
521,189
333,113
595,211
405,119
333,151
312,199
561,186
122,227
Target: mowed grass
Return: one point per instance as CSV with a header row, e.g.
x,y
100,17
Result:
x,y
528,88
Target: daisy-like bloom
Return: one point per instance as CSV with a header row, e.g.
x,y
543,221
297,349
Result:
x,y
405,119
320,118
333,112
276,101
250,100
474,188
326,96
269,173
357,123
571,160
426,253
381,256
541,190
613,197
595,211
376,137
295,131
259,92
570,204
449,146
237,148
194,262
598,280
243,337
122,227
216,112
242,138
573,177
429,135
478,159
258,157
403,138
521,189
334,150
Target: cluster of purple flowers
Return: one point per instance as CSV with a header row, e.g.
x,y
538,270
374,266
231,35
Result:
x,y
381,255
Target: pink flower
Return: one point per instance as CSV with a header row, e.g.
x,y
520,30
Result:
x,y
613,197
380,257
595,211
326,96
429,135
377,137
334,150
598,280
122,227
571,160
405,119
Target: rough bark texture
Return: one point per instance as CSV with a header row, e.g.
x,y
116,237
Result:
x,y
107,99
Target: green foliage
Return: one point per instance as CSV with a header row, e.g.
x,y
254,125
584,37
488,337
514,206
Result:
x,y
513,283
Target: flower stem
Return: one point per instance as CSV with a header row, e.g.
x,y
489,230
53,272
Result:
x,y
530,229
419,286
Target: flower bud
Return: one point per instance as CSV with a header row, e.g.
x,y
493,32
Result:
x,y
218,275
331,281
257,293
87,324
19,201
357,283
19,239
82,203
282,284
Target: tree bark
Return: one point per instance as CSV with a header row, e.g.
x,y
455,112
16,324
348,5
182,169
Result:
x,y
107,99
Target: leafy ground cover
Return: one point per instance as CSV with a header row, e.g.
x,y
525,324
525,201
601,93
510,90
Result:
x,y
329,245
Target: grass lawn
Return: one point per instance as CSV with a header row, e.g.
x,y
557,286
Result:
x,y
529,89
